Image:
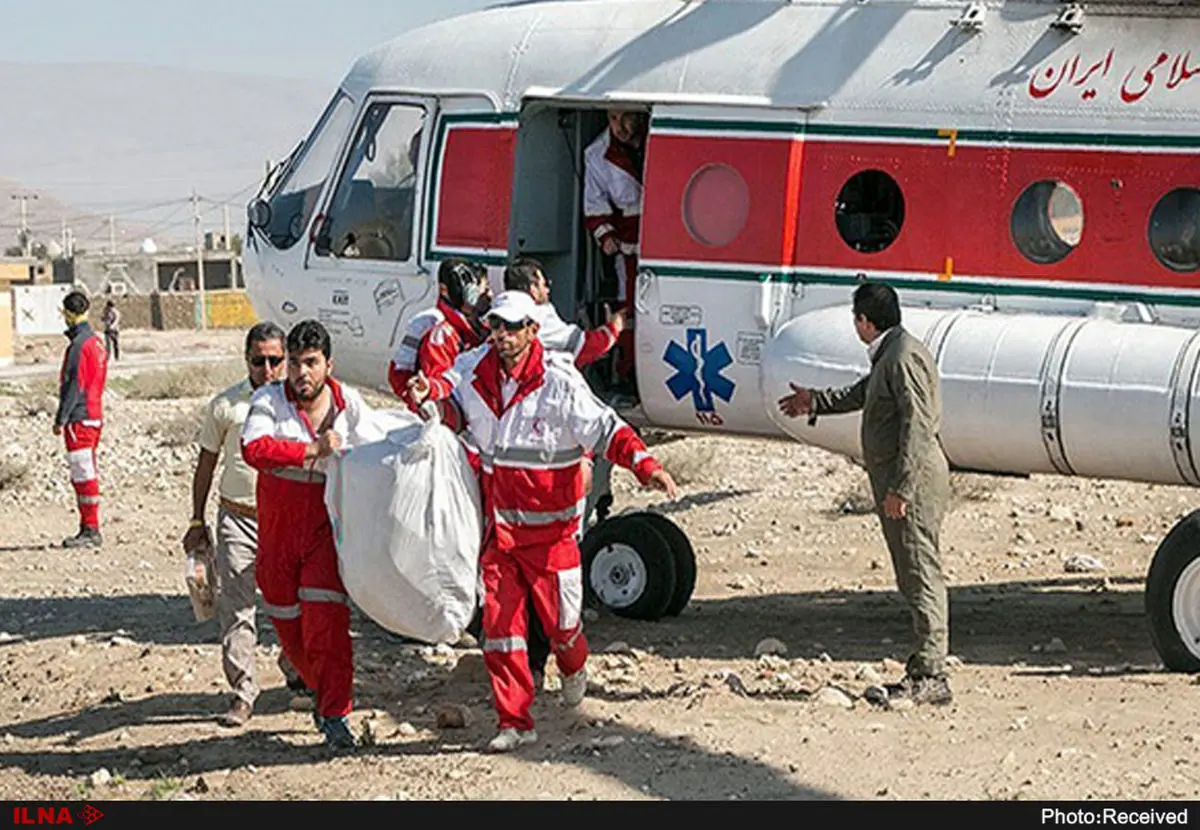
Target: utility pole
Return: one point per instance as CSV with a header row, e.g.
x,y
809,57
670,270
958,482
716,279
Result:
x,y
200,259
24,198
228,243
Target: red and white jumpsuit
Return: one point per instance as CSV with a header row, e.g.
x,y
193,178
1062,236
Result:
x,y
297,565
431,344
612,208
586,346
81,416
528,434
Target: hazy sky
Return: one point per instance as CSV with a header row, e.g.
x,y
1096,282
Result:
x,y
108,158
311,39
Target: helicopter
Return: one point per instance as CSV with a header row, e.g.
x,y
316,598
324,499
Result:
x,y
1025,173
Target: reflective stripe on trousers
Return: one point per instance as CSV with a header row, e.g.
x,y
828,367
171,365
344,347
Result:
x,y
322,595
282,612
536,517
303,475
552,578
506,644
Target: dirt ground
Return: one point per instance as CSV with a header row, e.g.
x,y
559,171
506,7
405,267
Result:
x,y
136,344
109,689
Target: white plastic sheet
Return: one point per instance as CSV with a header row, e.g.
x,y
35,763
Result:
x,y
407,521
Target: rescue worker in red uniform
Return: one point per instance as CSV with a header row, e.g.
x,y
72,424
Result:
x,y
529,417
435,337
80,416
612,206
586,346
526,274
291,429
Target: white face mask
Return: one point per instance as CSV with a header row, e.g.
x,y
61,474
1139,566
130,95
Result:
x,y
471,294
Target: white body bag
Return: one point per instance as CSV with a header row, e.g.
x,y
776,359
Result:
x,y
406,514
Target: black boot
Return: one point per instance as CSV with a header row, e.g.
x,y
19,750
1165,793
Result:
x,y
87,537
928,689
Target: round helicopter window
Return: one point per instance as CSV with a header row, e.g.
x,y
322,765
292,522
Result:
x,y
1174,231
869,211
716,205
1047,221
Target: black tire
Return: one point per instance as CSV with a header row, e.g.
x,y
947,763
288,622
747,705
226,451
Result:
x,y
641,539
685,561
1175,554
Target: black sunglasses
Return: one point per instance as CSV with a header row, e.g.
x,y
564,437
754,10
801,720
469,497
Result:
x,y
496,323
259,362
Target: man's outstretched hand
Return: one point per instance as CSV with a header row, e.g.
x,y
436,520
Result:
x,y
800,402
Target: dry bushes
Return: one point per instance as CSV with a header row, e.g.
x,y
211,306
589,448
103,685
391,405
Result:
x,y
38,404
179,431
37,397
14,466
178,383
857,499
688,462
971,487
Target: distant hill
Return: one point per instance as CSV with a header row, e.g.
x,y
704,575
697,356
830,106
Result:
x,y
45,215
94,140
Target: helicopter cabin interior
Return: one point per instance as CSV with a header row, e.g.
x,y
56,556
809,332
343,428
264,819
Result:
x,y
548,222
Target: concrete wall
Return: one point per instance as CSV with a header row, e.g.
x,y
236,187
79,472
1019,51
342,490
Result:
x,y
161,312
37,309
104,274
146,273
224,309
229,310
63,271
6,328
184,276
11,272
134,311
175,311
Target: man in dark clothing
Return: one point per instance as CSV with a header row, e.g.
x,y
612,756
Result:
x,y
111,318
80,416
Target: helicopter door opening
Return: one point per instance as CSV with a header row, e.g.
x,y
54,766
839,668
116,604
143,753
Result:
x,y
548,224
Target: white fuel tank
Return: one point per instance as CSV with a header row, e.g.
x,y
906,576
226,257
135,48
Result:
x,y
1021,393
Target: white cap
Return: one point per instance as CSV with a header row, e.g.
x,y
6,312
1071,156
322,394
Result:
x,y
514,307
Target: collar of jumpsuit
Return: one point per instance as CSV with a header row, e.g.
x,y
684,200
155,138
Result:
x,y
499,389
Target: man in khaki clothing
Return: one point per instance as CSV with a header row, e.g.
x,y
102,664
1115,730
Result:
x,y
237,525
901,408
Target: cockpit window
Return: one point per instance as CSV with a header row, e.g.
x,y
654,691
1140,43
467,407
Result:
x,y
373,209
293,202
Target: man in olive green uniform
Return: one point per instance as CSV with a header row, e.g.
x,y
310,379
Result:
x,y
910,478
